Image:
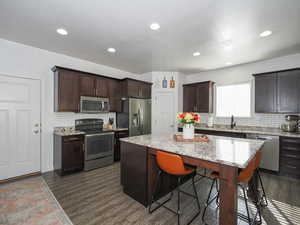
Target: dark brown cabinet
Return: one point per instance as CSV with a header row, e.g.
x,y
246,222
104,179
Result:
x,y
136,89
114,94
266,93
101,87
277,92
87,85
290,156
68,153
70,84
117,147
66,91
198,97
288,91
218,133
189,98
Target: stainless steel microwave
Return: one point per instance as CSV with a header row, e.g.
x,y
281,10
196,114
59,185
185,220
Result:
x,y
94,104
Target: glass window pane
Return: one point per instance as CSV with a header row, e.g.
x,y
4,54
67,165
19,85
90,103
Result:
x,y
233,100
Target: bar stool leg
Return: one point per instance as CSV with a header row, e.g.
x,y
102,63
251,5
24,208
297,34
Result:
x,y
196,194
208,199
246,204
178,201
156,190
264,197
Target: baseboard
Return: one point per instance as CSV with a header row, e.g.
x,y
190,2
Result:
x,y
19,177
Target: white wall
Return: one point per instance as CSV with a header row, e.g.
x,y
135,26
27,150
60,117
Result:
x,y
29,62
243,73
177,93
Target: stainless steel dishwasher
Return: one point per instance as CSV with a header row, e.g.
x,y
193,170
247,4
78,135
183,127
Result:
x,y
270,151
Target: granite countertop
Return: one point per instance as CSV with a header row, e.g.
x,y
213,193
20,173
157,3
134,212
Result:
x,y
69,131
248,129
229,151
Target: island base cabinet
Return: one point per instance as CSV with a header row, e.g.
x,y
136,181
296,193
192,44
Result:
x,y
139,172
134,171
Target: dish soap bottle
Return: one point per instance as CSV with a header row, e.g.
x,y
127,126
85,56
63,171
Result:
x,y
172,83
164,83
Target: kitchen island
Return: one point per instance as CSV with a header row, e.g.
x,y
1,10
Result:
x,y
223,154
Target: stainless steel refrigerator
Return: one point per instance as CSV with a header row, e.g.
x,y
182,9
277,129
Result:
x,y
136,116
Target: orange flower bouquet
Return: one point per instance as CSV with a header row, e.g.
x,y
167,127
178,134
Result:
x,y
188,118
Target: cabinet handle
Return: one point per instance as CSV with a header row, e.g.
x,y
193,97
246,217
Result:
x,y
291,156
73,139
293,167
83,147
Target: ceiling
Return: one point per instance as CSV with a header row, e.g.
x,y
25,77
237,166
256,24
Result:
x,y
206,26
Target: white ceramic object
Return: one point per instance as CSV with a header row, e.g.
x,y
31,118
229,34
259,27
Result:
x,y
210,122
188,131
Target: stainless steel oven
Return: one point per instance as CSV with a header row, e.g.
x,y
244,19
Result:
x,y
94,104
99,145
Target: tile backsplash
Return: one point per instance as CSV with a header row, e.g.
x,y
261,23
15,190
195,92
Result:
x,y
68,119
261,120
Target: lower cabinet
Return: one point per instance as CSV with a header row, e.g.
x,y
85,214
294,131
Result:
x,y
218,133
117,146
290,156
68,154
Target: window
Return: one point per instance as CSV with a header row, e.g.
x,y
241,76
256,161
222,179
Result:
x,y
233,100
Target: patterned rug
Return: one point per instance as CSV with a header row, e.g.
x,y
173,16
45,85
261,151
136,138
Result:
x,y
30,202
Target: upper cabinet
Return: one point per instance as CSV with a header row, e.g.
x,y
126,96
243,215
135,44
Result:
x,y
114,94
277,92
266,93
198,97
136,89
66,91
70,84
288,91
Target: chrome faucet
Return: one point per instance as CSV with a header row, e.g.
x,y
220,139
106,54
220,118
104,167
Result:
x,y
233,123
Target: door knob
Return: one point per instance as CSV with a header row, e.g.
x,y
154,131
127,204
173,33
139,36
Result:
x,y
36,131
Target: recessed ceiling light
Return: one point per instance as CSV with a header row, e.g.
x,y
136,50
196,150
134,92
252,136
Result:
x,y
62,31
229,63
265,33
196,53
154,26
111,50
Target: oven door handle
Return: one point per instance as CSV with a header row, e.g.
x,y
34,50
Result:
x,y
101,134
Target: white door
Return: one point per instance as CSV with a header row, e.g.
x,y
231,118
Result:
x,y
19,126
163,113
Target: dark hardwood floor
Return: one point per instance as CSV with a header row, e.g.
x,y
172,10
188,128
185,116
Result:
x,y
96,197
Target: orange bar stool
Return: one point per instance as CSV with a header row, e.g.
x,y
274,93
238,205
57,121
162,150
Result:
x,y
172,164
263,199
244,177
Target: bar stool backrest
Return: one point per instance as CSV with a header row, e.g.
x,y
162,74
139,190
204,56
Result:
x,y
171,163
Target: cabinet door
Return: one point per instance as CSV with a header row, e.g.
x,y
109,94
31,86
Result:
x,y
114,93
203,98
189,98
72,156
67,99
87,85
101,85
145,90
133,89
288,91
265,93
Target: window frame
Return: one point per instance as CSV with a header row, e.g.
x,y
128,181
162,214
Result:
x,y
250,82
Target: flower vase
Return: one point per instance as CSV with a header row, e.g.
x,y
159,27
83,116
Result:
x,y
188,131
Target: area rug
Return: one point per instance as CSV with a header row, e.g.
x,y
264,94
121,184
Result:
x,y
30,202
